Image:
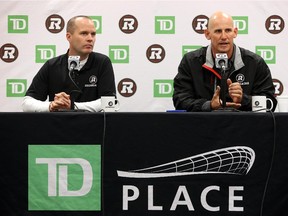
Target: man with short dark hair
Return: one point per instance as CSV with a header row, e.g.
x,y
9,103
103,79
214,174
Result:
x,y
92,79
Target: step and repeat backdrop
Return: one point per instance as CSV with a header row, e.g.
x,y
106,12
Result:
x,y
145,41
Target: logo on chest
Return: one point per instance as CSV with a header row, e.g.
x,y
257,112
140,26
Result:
x,y
92,81
241,79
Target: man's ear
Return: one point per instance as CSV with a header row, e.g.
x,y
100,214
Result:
x,y
207,34
68,36
235,32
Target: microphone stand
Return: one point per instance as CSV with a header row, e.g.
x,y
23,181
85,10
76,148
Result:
x,y
72,76
223,90
72,98
223,87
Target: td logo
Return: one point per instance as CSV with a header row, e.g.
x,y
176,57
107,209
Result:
x,y
119,54
18,24
16,87
64,177
241,22
189,48
164,25
45,52
268,53
163,88
97,20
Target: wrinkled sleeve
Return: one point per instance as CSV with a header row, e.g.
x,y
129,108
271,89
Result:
x,y
184,95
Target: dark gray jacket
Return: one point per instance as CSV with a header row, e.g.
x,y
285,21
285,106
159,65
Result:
x,y
94,80
197,78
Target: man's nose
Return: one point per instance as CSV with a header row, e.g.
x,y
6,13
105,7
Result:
x,y
224,35
89,37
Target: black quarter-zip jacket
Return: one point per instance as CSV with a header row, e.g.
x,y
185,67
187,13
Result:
x,y
197,78
95,79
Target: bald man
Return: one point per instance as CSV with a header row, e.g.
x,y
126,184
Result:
x,y
197,83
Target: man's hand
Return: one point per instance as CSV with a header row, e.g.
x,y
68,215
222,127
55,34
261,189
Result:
x,y
61,101
215,102
235,91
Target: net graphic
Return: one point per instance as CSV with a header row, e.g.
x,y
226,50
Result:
x,y
236,160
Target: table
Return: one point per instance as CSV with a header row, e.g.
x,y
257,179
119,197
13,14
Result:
x,y
144,164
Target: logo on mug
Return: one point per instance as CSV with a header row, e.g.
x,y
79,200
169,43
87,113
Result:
x,y
110,103
257,103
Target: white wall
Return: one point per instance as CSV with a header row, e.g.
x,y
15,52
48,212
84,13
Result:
x,y
139,69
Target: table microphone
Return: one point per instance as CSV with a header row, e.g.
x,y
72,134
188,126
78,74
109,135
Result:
x,y
221,61
73,64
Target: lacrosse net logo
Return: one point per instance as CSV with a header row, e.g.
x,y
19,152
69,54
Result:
x,y
64,177
236,160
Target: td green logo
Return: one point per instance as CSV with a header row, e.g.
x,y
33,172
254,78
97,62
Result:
x,y
164,25
189,48
268,53
18,24
64,177
44,53
119,54
241,23
16,87
163,88
98,23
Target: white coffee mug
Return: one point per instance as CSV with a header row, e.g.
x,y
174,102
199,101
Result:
x,y
109,104
282,103
259,103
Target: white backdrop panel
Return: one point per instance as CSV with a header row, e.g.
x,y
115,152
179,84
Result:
x,y
139,69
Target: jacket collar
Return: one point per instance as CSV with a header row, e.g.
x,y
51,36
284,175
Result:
x,y
237,58
238,62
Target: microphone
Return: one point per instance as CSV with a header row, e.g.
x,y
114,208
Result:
x,y
221,61
73,63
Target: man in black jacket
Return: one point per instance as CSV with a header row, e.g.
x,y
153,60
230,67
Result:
x,y
92,79
197,84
